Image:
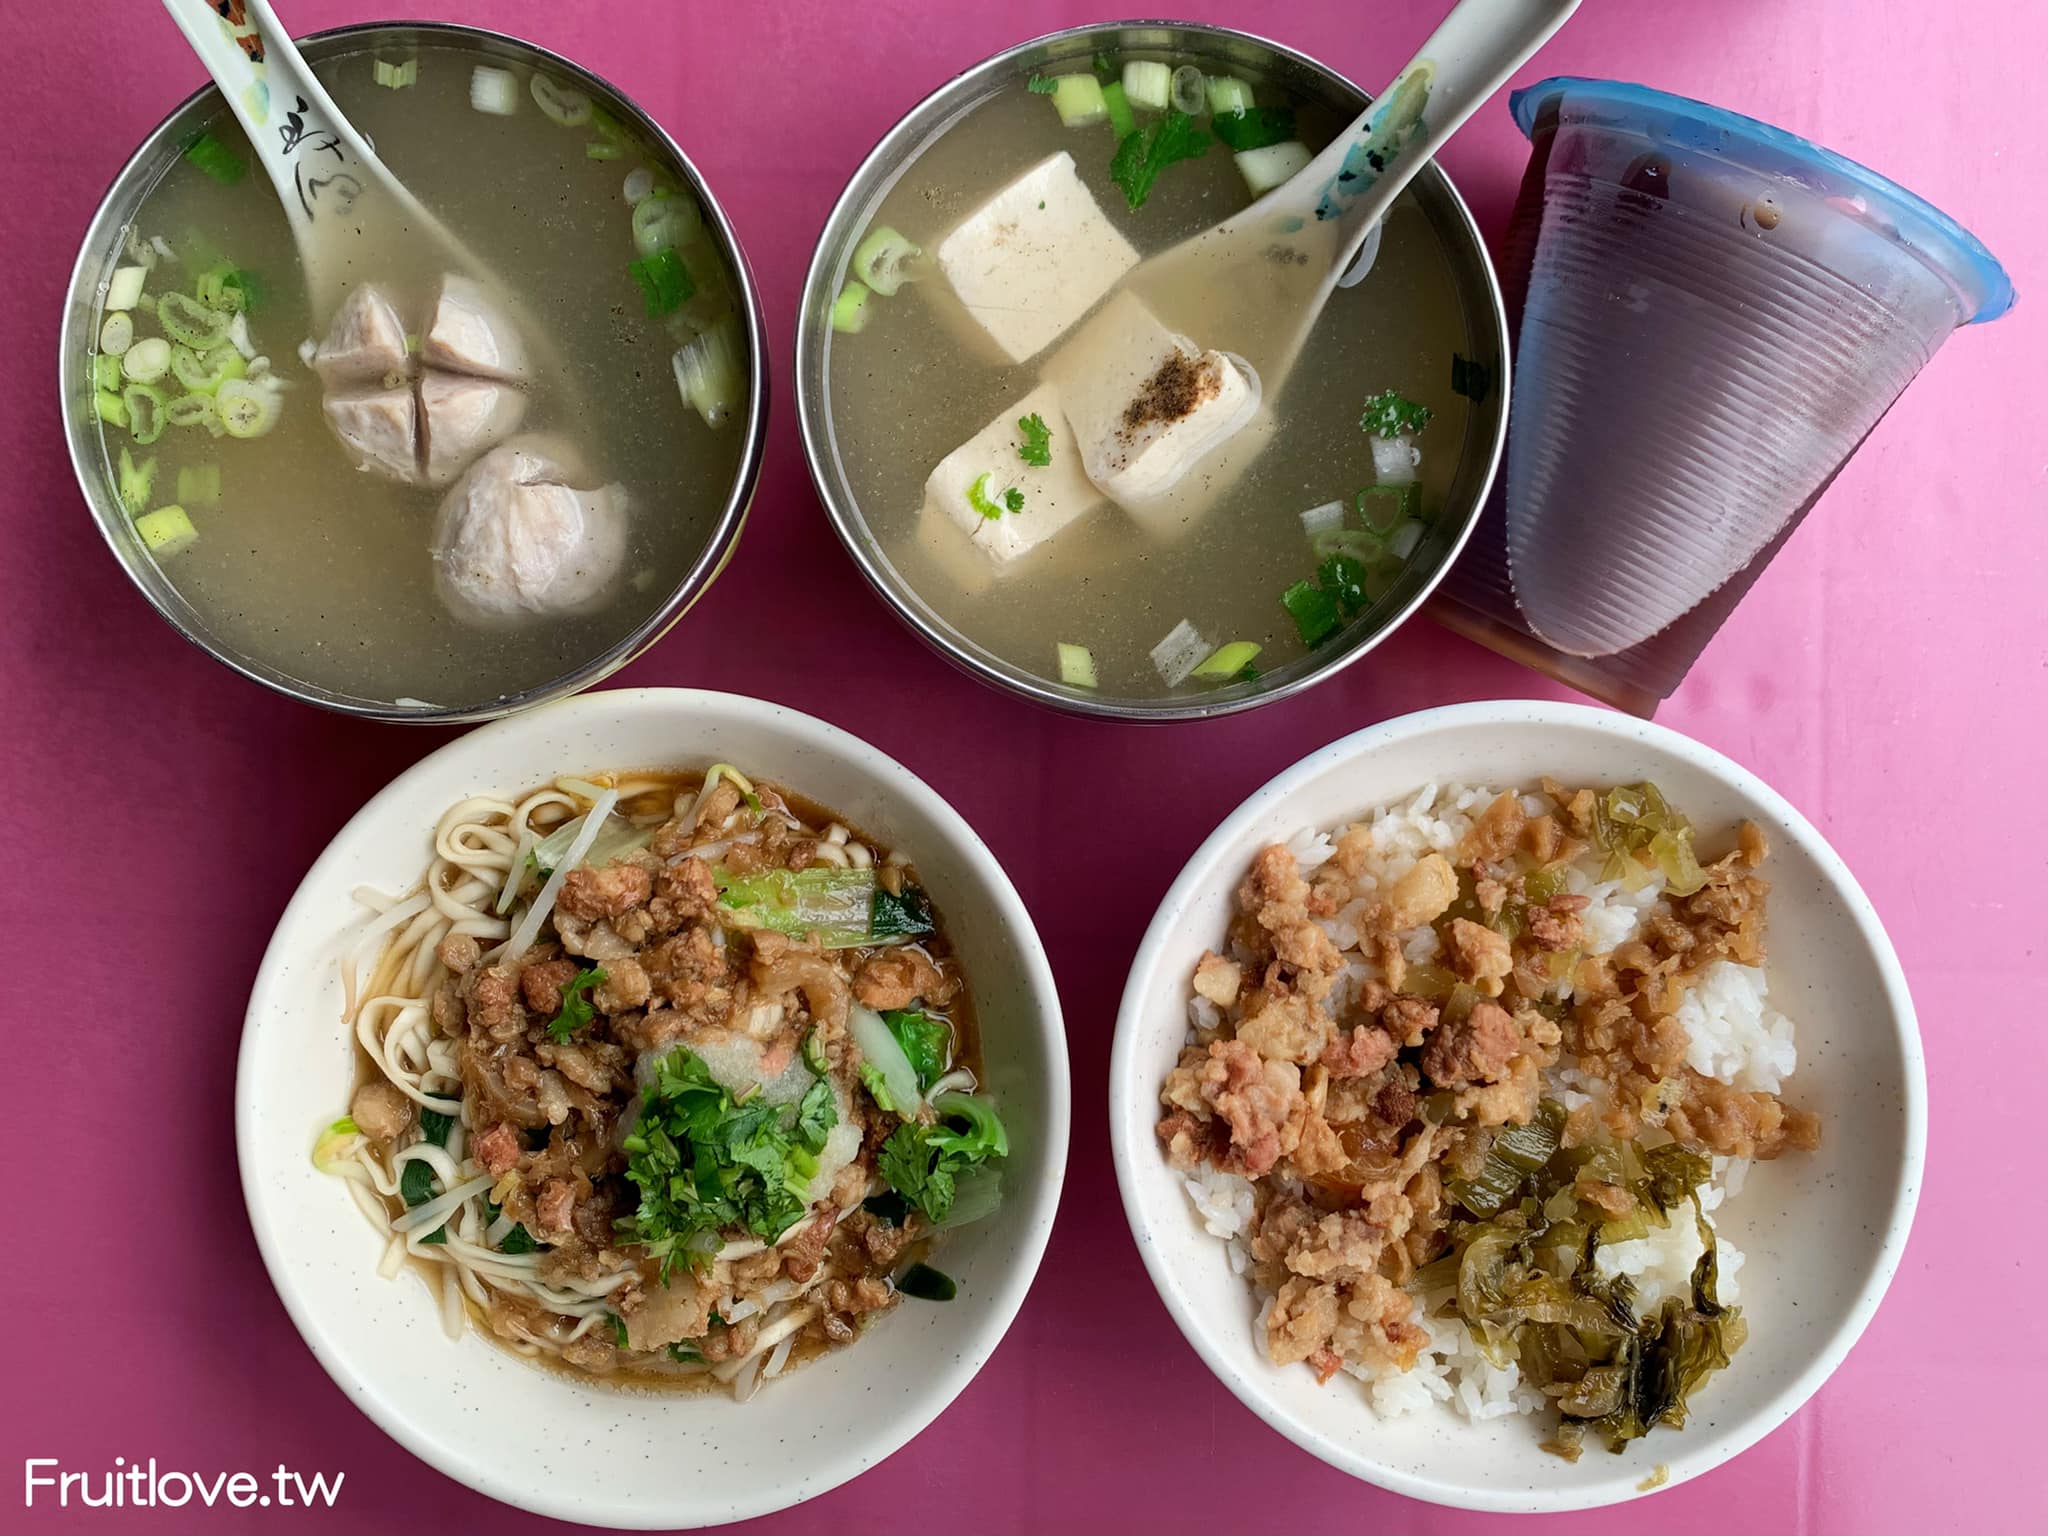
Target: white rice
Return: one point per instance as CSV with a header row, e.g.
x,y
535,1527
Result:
x,y
1735,1039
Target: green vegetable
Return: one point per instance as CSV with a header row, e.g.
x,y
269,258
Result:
x,y
1103,65
1078,100
885,260
1077,665
923,1163
1041,85
435,1126
1635,826
845,908
110,407
1391,413
664,281
135,482
1118,108
1012,499
198,484
1313,610
577,1009
814,1054
926,1041
1227,662
1382,508
1036,449
1517,1152
188,321
216,159
704,1163
850,309
143,412
1228,96
518,1240
106,371
923,1283
1144,154
416,1187
1148,85
816,1115
1254,127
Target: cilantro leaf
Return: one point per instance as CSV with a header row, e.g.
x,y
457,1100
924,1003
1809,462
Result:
x,y
576,1006
927,1041
1344,579
1146,152
1390,413
816,1116
923,1163
1254,127
1014,499
1036,449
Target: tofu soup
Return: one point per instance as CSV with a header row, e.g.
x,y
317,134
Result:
x,y
1084,475
443,493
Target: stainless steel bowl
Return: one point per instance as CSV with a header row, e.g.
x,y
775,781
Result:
x,y
1486,344
100,254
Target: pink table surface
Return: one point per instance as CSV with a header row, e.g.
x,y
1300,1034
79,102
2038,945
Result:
x,y
1889,665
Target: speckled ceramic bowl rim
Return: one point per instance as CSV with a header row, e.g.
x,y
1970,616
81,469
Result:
x,y
1226,1355
865,1442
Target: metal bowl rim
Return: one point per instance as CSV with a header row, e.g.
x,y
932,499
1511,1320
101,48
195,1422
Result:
x,y
848,522
704,568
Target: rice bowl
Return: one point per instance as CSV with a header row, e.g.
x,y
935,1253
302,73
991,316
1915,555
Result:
x,y
1806,1243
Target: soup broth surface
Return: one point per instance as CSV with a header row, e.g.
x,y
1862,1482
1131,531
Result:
x,y
907,390
324,571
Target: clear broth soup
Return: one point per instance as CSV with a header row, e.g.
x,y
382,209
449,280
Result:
x,y
907,390
324,572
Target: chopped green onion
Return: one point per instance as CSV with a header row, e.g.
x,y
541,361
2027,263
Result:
x,y
560,103
1077,666
147,360
1383,508
124,288
135,481
924,1283
603,149
1177,656
1010,499
1227,661
1041,85
1148,85
1401,543
204,375
711,372
396,77
883,260
191,411
1274,165
117,334
1228,95
226,288
186,320
494,91
216,159
1323,519
246,409
665,220
663,280
1255,128
1114,103
144,404
110,407
1078,100
167,531
1188,90
198,484
106,372
850,309
335,1143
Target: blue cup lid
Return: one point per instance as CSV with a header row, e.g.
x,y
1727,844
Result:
x,y
1935,239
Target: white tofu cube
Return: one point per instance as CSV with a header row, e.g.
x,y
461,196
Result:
x,y
1052,495
1145,406
1035,258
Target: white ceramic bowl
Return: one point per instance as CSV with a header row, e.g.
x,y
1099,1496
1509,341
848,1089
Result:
x,y
537,1439
1823,1232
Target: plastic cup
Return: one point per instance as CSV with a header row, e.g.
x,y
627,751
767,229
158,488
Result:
x,y
1717,314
